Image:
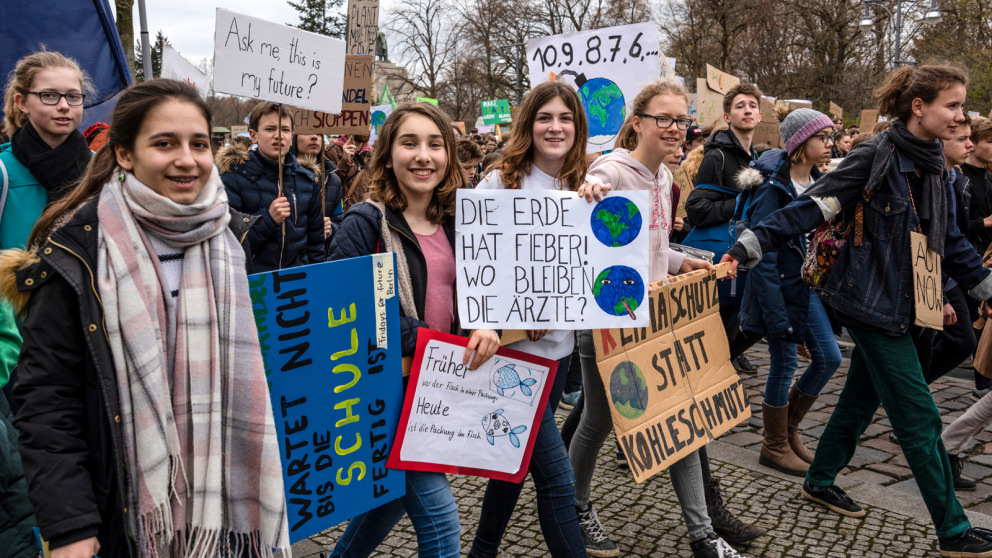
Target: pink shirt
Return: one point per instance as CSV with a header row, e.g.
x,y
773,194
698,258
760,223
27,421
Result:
x,y
439,307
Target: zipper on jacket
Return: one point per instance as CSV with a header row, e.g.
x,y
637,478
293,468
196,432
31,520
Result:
x,y
296,211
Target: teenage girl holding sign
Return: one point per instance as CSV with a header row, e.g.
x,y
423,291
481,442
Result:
x,y
889,187
546,152
414,176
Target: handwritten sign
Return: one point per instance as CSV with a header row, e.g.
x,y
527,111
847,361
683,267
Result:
x,y
496,111
551,260
709,95
670,384
333,366
355,114
836,110
608,67
363,26
379,115
868,119
685,185
482,422
927,287
175,66
263,60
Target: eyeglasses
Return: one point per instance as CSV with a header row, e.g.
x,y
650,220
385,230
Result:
x,y
827,139
665,122
54,98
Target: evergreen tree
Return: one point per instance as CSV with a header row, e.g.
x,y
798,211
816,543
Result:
x,y
321,16
139,61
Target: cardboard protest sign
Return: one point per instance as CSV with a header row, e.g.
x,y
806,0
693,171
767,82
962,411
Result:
x,y
237,130
460,126
332,358
379,115
685,185
551,260
767,107
868,120
769,133
263,60
471,422
608,67
354,117
836,110
670,385
363,26
709,95
496,111
928,292
174,66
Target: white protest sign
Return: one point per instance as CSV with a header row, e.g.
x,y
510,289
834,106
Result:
x,y
608,67
263,60
174,66
551,260
379,115
465,421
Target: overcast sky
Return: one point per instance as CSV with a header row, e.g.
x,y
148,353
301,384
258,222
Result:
x,y
189,24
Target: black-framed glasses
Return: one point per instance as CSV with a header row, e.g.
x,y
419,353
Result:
x,y
665,122
827,139
54,98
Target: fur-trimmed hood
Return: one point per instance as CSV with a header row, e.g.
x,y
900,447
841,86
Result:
x,y
773,168
12,261
229,156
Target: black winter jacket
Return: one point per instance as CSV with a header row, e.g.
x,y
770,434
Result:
x,y
17,520
69,416
252,184
361,234
723,157
980,187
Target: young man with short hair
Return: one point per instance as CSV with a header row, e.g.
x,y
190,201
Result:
x,y
979,230
291,229
469,157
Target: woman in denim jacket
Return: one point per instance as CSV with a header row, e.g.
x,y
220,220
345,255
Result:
x,y
899,182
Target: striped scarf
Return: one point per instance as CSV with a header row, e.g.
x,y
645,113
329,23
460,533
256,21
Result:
x,y
200,442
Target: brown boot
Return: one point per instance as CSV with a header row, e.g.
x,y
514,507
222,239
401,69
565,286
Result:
x,y
775,450
799,404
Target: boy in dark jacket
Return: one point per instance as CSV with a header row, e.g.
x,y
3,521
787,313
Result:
x,y
291,229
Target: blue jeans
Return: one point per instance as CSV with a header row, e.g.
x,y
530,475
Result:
x,y
782,358
552,474
432,509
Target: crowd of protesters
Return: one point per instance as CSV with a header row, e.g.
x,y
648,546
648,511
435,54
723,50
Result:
x,y
125,301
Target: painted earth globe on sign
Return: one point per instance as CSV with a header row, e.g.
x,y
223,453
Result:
x,y
378,117
618,290
616,221
605,109
629,390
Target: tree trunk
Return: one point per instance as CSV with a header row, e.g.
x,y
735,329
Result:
x,y
125,28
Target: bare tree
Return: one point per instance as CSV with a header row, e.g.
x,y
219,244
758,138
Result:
x,y
427,41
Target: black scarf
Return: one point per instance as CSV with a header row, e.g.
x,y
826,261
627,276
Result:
x,y
929,158
54,168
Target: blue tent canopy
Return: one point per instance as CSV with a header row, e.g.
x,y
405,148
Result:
x,y
81,29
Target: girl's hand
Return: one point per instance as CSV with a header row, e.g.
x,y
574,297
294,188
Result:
x,y
484,342
349,148
691,264
536,334
327,227
593,191
950,316
86,548
678,225
732,270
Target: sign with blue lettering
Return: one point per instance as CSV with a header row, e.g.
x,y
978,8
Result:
x,y
332,359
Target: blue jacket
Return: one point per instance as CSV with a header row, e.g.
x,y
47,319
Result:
x,y
775,300
870,285
252,184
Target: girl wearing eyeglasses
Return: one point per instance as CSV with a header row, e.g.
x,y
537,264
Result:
x,y
43,106
655,131
776,302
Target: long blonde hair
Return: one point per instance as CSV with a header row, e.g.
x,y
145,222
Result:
x,y
21,78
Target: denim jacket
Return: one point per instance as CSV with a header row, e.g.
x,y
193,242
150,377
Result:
x,y
870,285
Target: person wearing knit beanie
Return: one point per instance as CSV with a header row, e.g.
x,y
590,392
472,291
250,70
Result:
x,y
800,125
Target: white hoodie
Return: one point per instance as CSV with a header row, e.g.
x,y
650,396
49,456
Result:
x,y
624,172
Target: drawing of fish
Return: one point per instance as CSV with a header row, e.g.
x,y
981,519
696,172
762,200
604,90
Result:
x,y
496,425
506,377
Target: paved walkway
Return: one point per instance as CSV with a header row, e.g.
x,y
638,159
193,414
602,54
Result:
x,y
646,521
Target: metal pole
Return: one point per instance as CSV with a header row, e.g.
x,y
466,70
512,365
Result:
x,y
146,47
897,55
520,64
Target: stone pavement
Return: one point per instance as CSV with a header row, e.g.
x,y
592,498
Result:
x,y
646,521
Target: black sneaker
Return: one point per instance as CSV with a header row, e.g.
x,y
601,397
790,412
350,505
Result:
x,y
957,466
744,366
973,543
597,542
713,547
833,498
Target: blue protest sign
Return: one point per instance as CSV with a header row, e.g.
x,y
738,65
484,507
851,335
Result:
x,y
329,335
